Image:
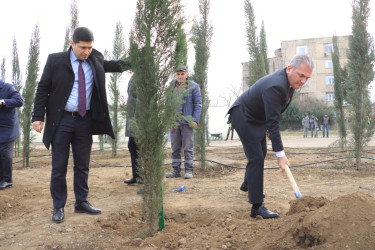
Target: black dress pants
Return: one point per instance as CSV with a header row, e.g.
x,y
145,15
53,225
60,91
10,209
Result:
x,y
133,149
255,152
77,132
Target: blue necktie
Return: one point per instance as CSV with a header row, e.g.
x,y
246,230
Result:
x,y
81,91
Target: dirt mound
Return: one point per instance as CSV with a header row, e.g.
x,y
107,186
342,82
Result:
x,y
341,223
306,204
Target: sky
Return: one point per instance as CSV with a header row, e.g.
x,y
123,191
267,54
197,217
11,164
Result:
x,y
283,20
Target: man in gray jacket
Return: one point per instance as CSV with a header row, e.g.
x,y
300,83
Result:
x,y
182,136
306,125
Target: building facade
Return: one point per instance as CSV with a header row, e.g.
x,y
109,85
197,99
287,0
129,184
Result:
x,y
320,85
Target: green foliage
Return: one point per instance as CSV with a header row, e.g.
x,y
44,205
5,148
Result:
x,y
340,75
297,109
16,72
28,93
152,50
67,40
257,65
181,45
16,81
360,68
73,24
3,70
263,48
117,53
202,38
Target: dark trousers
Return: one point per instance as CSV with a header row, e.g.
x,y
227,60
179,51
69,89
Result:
x,y
6,157
230,130
77,132
133,149
255,153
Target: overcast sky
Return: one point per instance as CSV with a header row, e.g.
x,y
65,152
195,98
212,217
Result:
x,y
284,20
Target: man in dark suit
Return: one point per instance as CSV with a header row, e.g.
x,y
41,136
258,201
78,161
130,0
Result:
x,y
259,110
10,100
71,96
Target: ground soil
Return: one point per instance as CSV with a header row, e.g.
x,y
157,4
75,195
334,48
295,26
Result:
x,y
336,211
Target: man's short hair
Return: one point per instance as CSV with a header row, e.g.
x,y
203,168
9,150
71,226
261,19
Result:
x,y
82,34
299,59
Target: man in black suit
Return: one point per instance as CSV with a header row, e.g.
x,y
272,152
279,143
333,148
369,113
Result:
x,y
259,110
71,96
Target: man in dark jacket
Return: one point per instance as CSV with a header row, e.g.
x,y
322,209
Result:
x,y
71,95
259,110
133,149
10,99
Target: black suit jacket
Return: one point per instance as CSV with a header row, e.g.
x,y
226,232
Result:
x,y
262,105
56,85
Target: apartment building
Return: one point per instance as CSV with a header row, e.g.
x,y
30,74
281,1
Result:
x,y
320,85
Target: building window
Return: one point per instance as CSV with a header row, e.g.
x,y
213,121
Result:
x,y
328,64
328,48
301,50
330,97
329,80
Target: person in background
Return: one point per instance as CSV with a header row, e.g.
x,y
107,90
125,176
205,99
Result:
x,y
316,126
10,100
312,125
325,125
182,136
133,149
71,97
305,125
259,109
230,129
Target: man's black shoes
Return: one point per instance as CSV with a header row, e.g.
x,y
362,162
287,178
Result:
x,y
58,215
243,187
5,185
85,207
130,181
264,212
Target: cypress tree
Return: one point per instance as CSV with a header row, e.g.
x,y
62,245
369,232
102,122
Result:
x,y
152,50
340,75
3,70
263,48
73,24
16,81
117,53
181,45
202,36
360,69
257,68
28,93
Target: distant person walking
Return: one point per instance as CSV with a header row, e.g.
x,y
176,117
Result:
x,y
230,129
313,125
325,124
316,126
305,125
368,127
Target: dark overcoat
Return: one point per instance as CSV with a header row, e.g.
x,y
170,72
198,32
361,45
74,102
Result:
x,y
9,125
56,85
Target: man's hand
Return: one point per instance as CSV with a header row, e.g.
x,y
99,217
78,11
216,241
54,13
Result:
x,y
282,161
193,124
38,126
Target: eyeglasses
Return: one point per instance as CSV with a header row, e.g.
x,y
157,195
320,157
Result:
x,y
181,74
